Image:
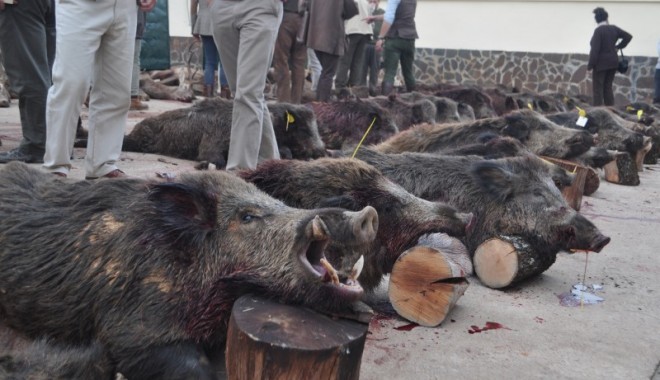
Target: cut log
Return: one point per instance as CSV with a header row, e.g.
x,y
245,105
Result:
x,y
268,340
641,154
622,171
591,182
425,284
504,260
573,193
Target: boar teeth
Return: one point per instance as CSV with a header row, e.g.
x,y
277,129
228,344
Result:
x,y
319,229
357,268
330,270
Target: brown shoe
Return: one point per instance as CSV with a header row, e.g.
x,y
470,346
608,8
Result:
x,y
225,92
137,105
113,174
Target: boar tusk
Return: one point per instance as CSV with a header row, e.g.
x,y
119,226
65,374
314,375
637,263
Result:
x,y
330,270
357,268
319,229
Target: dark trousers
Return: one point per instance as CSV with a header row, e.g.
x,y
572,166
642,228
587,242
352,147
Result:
x,y
27,41
329,64
602,87
353,60
656,97
212,62
289,60
371,67
399,50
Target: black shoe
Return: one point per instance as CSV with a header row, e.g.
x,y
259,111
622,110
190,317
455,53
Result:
x,y
17,155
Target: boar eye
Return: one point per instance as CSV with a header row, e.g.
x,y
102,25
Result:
x,y
248,218
537,192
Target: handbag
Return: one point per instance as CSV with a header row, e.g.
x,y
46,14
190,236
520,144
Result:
x,y
623,63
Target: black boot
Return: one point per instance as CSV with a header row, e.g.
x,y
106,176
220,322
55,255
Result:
x,y
387,88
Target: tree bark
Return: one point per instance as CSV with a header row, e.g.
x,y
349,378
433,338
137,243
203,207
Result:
x,y
622,171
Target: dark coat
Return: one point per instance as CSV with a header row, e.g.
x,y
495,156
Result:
x,y
326,25
603,54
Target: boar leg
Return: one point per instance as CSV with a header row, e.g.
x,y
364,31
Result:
x,y
183,360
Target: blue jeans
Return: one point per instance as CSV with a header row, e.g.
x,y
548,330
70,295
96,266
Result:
x,y
211,61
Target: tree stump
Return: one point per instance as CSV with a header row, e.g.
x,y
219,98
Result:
x,y
504,260
269,340
572,194
425,284
622,171
641,155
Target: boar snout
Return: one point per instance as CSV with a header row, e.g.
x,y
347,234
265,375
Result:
x,y
599,242
365,225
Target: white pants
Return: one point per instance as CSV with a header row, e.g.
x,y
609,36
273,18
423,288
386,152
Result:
x,y
94,45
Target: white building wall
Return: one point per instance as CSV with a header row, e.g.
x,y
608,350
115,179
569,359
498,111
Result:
x,y
527,26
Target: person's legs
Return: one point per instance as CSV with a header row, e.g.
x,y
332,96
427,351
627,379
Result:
x,y
248,30
210,64
608,91
136,103
298,59
329,64
346,61
23,40
391,56
108,105
357,63
597,85
314,67
286,38
656,99
407,60
72,71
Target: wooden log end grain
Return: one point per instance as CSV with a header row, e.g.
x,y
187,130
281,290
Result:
x,y
269,340
504,260
622,171
425,284
641,155
573,193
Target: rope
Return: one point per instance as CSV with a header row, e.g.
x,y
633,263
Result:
x,y
363,137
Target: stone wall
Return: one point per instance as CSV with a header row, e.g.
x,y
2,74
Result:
x,y
537,72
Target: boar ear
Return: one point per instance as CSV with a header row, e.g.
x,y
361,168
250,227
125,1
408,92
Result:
x,y
510,104
515,127
494,179
342,201
183,208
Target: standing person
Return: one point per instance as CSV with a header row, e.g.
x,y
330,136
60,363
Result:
x,y
27,41
326,37
95,44
136,104
290,55
372,56
656,99
314,68
399,32
248,30
603,59
358,33
202,28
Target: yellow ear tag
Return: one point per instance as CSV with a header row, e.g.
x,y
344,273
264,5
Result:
x,y
640,113
289,120
530,106
630,108
581,112
566,99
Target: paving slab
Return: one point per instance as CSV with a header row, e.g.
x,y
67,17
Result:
x,y
524,332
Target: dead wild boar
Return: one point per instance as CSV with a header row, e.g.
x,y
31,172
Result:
x,y
478,99
407,114
342,124
150,270
352,184
508,196
202,132
607,126
540,135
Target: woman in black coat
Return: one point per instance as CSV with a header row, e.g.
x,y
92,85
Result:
x,y
603,59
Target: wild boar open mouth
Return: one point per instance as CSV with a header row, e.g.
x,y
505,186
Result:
x,y
314,261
